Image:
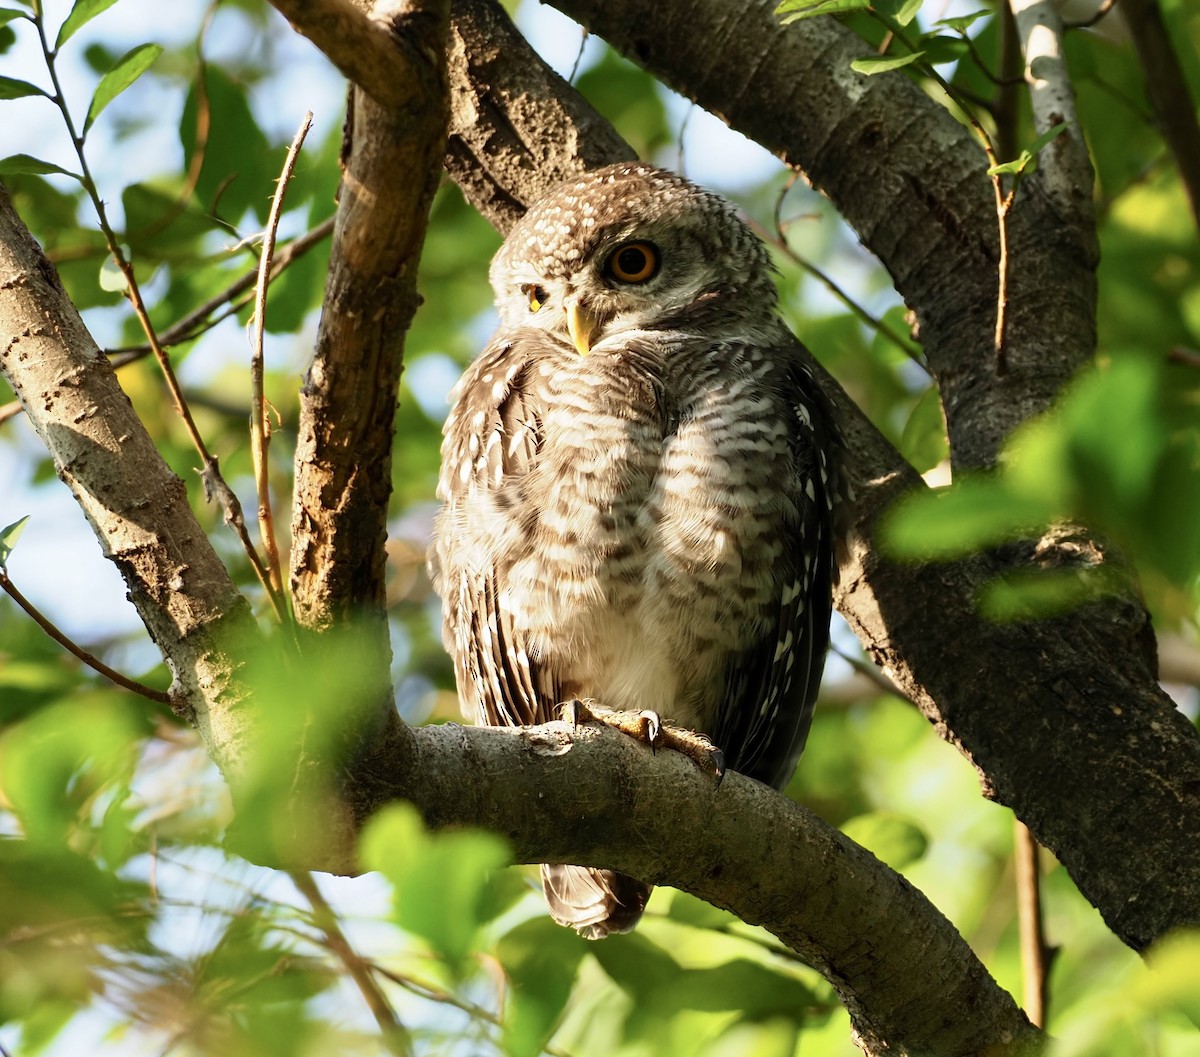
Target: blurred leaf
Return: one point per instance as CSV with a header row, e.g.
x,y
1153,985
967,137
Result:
x,y
443,883
112,278
82,13
1038,594
923,442
540,959
128,69
1173,982
8,539
235,170
870,67
891,837
974,513
7,14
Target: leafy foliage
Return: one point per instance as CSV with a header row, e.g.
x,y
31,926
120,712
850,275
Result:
x,y
125,922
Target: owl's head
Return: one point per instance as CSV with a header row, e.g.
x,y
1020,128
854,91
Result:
x,y
630,247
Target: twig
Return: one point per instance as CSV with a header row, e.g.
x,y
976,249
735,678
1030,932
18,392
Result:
x,y
395,1035
1100,12
1034,955
72,647
435,994
872,673
1188,357
210,475
778,239
260,426
201,319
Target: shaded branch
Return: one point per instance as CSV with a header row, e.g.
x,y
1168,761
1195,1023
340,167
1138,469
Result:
x,y
1168,91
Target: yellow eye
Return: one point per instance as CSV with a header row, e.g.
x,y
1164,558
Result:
x,y
634,262
537,297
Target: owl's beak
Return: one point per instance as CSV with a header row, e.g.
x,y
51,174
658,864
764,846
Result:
x,y
582,325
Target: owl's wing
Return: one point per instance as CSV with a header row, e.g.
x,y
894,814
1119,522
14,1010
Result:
x,y
771,687
492,442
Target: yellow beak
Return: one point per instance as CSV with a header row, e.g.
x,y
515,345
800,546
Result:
x,y
582,325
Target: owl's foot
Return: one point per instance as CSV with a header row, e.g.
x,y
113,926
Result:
x,y
651,729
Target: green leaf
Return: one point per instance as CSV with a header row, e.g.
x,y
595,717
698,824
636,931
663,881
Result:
x,y
870,67
961,23
901,11
1037,594
112,278
923,442
82,13
11,88
8,539
891,837
796,10
128,69
1027,161
443,883
974,513
1173,980
7,15
27,165
540,960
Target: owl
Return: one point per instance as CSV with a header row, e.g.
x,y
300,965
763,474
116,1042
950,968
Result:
x,y
640,481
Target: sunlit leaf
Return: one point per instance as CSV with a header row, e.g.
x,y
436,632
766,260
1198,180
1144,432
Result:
x,y
1035,594
8,538
900,11
128,69
1026,162
870,67
961,23
796,10
1173,980
26,164
82,13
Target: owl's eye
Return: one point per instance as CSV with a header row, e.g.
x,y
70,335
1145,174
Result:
x,y
634,262
537,296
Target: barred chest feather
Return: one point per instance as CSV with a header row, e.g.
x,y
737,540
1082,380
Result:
x,y
629,511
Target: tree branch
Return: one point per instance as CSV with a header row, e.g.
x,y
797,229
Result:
x,y
910,982
137,507
1168,90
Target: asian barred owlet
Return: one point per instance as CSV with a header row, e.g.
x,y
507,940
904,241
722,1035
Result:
x,y
640,478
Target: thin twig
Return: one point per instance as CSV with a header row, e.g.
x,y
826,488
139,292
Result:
x,y
201,319
72,647
1087,23
260,426
778,239
395,1035
432,993
1034,955
872,673
210,475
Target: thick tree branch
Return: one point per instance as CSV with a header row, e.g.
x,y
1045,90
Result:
x,y
347,408
911,984
137,507
1064,719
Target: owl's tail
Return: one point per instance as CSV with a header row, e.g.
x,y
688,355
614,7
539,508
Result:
x,y
593,902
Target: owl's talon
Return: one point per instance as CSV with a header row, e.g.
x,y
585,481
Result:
x,y
649,728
